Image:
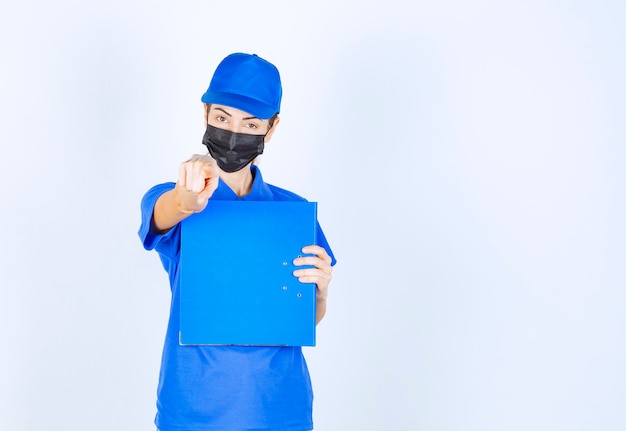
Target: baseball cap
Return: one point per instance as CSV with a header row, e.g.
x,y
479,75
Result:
x,y
246,82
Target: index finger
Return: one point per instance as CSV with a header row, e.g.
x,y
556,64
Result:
x,y
318,251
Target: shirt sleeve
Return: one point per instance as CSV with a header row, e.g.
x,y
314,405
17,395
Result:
x,y
322,242
166,244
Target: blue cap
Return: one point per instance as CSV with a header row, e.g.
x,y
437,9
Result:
x,y
246,82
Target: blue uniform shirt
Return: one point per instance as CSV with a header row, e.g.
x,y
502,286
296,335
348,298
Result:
x,y
232,388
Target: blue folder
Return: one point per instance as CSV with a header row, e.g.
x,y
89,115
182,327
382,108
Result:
x,y
236,274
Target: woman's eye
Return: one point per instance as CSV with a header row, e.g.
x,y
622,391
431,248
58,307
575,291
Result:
x,y
221,119
252,126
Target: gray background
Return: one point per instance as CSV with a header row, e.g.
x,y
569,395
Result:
x,y
468,158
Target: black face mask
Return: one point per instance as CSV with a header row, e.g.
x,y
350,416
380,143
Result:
x,y
231,150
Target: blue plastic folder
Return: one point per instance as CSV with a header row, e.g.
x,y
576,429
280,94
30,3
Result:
x,y
236,274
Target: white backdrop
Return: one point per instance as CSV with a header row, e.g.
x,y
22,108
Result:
x,y
468,158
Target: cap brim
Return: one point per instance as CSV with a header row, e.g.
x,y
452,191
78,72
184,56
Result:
x,y
251,106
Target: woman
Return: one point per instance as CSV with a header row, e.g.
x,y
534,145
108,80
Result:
x,y
230,387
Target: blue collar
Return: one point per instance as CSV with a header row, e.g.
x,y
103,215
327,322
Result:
x,y
260,191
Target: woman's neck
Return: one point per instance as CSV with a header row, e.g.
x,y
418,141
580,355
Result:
x,y
240,181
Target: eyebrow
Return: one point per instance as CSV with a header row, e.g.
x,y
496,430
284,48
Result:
x,y
245,118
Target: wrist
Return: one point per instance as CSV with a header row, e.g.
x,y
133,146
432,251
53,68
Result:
x,y
179,207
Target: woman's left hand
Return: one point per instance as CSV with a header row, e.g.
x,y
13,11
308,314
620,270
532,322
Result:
x,y
320,274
